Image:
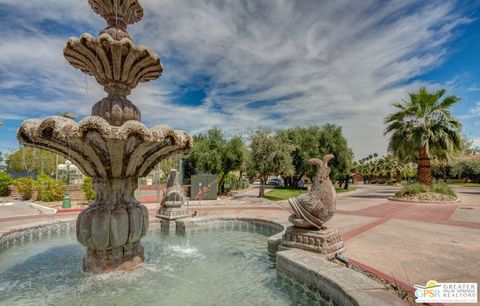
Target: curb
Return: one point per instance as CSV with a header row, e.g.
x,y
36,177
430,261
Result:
x,y
53,210
424,202
68,210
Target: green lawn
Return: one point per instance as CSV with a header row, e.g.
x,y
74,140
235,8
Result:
x,y
341,190
284,193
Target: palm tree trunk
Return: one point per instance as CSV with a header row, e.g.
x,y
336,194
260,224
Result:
x,y
424,167
399,176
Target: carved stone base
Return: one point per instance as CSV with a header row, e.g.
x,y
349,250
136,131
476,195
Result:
x,y
326,241
168,226
172,213
124,258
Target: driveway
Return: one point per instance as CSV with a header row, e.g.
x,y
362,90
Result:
x,y
412,242
15,208
250,194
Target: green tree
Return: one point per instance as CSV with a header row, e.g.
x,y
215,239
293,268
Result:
x,y
167,164
305,145
33,160
332,141
468,169
316,141
206,154
269,156
233,155
213,153
424,128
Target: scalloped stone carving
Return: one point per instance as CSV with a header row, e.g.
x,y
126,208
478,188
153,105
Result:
x,y
118,65
129,10
102,150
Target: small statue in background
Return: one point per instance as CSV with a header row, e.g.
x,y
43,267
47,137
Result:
x,y
171,205
172,193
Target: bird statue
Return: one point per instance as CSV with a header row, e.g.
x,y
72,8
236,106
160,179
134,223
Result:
x,y
312,209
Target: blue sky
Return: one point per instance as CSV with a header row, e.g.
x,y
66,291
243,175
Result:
x,y
242,64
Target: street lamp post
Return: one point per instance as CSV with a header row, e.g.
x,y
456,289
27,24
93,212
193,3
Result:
x,y
66,198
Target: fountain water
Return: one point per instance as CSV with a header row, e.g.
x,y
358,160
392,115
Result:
x,y
112,146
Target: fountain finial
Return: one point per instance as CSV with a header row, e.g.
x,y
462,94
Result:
x,y
118,14
125,11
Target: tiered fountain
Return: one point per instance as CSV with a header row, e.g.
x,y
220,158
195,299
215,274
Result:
x,y
112,146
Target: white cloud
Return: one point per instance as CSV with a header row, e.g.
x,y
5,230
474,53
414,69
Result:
x,y
336,61
476,109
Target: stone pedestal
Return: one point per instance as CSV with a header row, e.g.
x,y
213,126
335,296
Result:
x,y
124,258
325,241
112,226
172,213
168,226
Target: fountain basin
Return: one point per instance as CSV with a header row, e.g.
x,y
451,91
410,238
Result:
x,y
222,265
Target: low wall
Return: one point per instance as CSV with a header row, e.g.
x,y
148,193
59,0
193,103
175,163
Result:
x,y
76,194
335,283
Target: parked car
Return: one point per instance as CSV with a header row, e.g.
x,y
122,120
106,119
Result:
x,y
275,181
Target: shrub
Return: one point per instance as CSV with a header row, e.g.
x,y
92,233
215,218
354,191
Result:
x,y
5,181
231,181
469,169
417,188
392,181
49,189
87,189
443,188
411,188
24,187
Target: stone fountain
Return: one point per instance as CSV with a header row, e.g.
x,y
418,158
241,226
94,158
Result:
x,y
112,146
310,212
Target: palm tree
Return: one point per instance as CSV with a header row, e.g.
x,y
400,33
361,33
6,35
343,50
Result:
x,y
424,128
